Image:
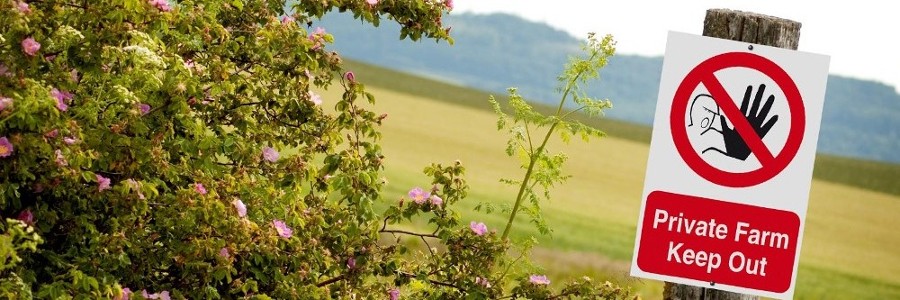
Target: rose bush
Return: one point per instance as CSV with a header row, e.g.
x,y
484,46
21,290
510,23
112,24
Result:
x,y
174,149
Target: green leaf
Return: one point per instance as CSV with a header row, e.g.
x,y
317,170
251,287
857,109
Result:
x,y
89,176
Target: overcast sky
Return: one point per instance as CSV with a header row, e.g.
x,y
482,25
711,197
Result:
x,y
861,36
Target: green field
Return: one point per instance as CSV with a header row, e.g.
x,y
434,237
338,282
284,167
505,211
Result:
x,y
855,172
849,249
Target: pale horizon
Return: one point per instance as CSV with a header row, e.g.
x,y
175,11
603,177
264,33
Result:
x,y
851,34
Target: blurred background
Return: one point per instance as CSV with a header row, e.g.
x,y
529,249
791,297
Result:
x,y
429,89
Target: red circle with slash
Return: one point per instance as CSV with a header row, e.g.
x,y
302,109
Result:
x,y
771,164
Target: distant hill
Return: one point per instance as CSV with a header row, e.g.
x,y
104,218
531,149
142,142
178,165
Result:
x,y
497,51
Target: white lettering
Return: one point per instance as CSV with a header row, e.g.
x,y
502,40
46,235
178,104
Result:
x,y
740,231
659,217
673,252
689,226
761,237
739,263
701,259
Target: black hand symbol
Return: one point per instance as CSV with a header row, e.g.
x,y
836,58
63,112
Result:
x,y
734,144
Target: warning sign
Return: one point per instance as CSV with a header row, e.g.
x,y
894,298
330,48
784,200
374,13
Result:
x,y
727,184
750,124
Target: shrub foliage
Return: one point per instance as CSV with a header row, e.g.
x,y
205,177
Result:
x,y
178,149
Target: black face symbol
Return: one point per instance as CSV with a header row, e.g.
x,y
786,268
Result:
x,y
704,112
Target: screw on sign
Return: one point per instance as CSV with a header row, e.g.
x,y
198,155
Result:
x,y
751,122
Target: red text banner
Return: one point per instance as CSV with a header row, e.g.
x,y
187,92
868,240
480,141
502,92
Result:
x,y
718,242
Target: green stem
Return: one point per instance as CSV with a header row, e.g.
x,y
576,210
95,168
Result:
x,y
508,267
528,134
533,160
572,112
16,112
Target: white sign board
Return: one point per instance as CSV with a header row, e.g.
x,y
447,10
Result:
x,y
730,166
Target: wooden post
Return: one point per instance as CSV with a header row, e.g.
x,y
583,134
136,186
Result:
x,y
752,28
745,27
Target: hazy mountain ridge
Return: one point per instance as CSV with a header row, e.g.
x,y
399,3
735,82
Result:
x,y
497,51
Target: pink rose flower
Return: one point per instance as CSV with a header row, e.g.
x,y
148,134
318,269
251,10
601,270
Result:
x,y
316,37
270,154
199,188
435,200
30,46
144,108
5,102
62,98
224,253
61,105
282,229
315,98
26,217
240,207
125,295
23,7
70,140
372,2
394,293
164,295
102,182
478,228
287,20
6,148
539,279
60,159
418,195
482,282
350,76
162,5
351,263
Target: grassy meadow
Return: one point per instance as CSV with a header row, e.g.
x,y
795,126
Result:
x,y
850,247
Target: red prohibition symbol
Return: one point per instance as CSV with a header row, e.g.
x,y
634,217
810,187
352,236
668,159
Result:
x,y
771,163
